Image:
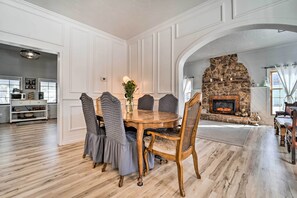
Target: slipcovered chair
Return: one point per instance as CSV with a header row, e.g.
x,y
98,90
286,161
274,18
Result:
x,y
95,137
146,102
120,146
180,143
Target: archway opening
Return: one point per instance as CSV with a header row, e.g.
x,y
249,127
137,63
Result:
x,y
212,37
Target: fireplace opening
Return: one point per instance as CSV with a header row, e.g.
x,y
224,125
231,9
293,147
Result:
x,y
224,104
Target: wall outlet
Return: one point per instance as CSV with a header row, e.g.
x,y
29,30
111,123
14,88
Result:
x,y
104,79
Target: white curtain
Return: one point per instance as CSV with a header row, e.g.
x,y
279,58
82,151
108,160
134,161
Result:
x,y
288,77
187,88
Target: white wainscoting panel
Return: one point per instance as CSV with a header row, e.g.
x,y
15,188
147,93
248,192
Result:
x,y
74,127
205,18
119,66
164,60
77,121
101,61
79,60
147,64
30,25
133,61
243,7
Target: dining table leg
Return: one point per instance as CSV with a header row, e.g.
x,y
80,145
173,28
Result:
x,y
139,153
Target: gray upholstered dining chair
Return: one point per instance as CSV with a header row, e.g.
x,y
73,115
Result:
x,y
180,143
168,103
120,146
146,102
95,137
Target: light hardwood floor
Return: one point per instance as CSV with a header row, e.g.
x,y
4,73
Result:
x,y
31,165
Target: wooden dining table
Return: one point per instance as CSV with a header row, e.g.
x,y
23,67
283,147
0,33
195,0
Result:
x,y
144,119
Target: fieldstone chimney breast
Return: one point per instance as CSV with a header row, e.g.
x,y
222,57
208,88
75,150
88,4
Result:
x,y
226,77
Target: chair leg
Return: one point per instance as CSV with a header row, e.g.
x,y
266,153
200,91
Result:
x,y
195,160
84,156
146,162
293,156
104,167
121,181
180,177
94,164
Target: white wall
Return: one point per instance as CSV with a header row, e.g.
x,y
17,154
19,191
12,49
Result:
x,y
256,59
164,49
84,55
196,70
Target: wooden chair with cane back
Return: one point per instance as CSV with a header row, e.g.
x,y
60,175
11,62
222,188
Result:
x,y
178,144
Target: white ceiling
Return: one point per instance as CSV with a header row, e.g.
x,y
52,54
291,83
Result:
x,y
242,42
122,18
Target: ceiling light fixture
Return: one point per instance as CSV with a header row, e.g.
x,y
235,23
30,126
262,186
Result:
x,y
30,54
280,31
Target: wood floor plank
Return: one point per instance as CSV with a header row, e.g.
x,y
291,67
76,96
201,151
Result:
x,y
32,165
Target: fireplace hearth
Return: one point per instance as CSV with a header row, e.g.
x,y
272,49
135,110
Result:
x,y
224,104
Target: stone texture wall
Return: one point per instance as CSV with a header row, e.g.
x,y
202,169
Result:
x,y
225,76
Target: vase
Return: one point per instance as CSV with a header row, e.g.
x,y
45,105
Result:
x,y
129,106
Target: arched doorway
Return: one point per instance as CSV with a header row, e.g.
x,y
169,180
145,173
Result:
x,y
207,38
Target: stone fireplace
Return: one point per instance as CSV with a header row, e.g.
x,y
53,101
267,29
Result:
x,y
224,104
225,89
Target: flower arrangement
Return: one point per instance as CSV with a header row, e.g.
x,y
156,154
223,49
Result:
x,y
130,87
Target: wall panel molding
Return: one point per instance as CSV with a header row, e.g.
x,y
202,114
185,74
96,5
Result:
x,y
74,128
242,7
147,64
165,65
215,15
78,60
133,61
76,118
101,61
30,24
119,67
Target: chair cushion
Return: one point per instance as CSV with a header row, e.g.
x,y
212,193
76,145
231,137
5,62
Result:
x,y
283,120
161,144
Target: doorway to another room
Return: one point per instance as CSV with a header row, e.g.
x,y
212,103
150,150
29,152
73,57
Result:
x,y
29,90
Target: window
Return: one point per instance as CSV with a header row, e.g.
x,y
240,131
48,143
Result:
x,y
49,89
7,84
278,93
